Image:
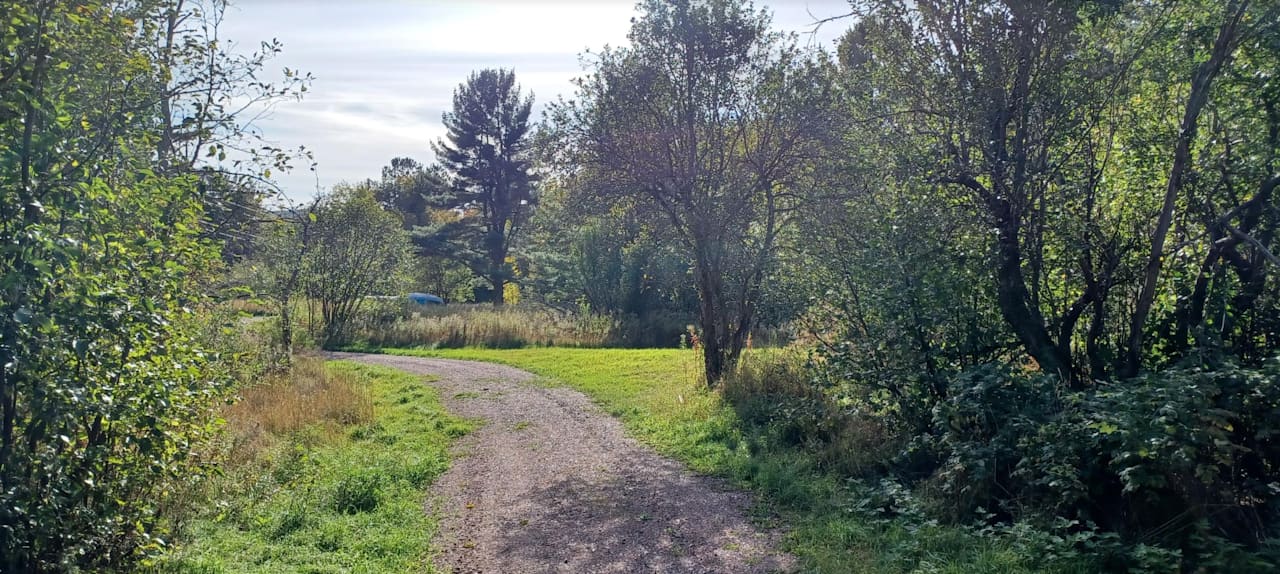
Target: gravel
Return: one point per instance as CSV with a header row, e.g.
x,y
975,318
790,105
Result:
x,y
550,483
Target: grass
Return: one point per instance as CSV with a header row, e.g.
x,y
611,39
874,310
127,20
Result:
x,y
657,395
509,327
326,471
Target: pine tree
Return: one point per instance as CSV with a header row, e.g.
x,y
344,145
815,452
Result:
x,y
486,158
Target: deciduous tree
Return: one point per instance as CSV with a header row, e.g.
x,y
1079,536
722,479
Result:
x,y
715,122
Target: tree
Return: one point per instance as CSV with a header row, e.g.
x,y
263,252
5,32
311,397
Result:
x,y
615,260
407,188
281,252
104,395
716,123
486,157
210,94
357,250
1223,48
1040,119
1086,189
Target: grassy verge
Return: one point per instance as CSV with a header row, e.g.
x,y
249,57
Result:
x,y
326,472
835,527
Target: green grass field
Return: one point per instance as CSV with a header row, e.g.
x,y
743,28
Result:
x,y
658,397
335,496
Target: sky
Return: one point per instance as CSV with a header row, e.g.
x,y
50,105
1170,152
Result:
x,y
385,70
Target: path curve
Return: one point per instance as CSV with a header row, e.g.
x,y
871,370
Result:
x,y
550,483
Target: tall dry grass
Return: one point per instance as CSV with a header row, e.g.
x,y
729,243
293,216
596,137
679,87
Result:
x,y
252,307
458,326
308,397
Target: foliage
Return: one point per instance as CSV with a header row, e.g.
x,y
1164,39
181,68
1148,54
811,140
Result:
x,y
486,158
713,121
359,251
104,394
335,254
276,271
408,189
622,263
340,490
1046,132
1044,267
210,92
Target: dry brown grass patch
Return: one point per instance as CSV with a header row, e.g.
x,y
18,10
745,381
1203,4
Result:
x,y
310,396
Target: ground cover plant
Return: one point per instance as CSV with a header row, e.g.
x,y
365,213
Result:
x,y
326,471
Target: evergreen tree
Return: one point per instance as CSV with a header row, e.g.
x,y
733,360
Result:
x,y
485,156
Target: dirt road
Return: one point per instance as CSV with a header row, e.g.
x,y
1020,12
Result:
x,y
551,483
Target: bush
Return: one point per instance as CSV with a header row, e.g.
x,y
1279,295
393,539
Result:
x,y
1182,456
1178,466
106,393
1171,470
774,393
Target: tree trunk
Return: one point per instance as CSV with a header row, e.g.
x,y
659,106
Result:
x,y
496,248
1012,296
716,341
499,284
1201,82
286,328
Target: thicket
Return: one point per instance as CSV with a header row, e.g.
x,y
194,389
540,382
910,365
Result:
x,y
1042,288
110,220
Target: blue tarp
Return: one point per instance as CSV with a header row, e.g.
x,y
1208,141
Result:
x,y
425,299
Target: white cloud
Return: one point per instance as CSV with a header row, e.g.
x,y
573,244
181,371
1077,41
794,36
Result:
x,y
386,69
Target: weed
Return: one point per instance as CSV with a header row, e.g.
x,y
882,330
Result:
x,y
358,491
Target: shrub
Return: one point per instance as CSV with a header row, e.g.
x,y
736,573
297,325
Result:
x,y
775,393
1179,463
1171,470
1187,453
106,395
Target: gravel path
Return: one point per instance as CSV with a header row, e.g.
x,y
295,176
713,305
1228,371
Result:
x,y
551,483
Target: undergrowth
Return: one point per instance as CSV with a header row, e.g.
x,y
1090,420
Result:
x,y
836,525
325,471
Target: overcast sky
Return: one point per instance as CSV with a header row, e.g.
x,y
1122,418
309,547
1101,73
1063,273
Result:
x,y
385,70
